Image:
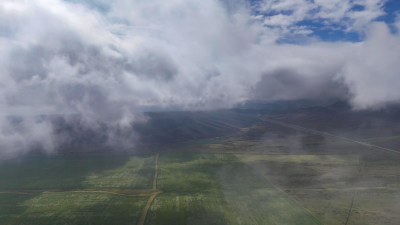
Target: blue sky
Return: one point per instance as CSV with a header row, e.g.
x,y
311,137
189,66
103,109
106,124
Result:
x,y
309,23
340,22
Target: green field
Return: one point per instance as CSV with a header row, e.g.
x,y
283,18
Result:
x,y
96,189
337,189
219,189
69,208
69,172
202,188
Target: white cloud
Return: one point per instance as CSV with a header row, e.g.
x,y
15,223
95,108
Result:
x,y
285,14
69,58
373,69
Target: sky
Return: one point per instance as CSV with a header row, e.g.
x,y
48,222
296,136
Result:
x,y
107,60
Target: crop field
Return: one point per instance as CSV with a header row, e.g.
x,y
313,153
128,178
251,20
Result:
x,y
194,186
219,189
77,172
337,189
250,187
100,189
70,208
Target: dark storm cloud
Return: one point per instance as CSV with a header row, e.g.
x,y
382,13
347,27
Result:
x,y
289,84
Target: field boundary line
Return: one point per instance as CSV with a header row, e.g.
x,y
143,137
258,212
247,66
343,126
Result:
x,y
154,195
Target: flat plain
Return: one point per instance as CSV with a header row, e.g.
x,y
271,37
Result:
x,y
199,188
240,173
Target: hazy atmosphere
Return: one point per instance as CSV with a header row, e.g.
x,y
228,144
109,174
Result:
x,y
193,112
107,61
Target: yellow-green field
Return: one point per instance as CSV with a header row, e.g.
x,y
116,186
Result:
x,y
200,188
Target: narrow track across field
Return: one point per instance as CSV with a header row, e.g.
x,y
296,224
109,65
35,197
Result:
x,y
153,196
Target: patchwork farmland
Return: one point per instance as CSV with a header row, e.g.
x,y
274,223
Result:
x,y
258,170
